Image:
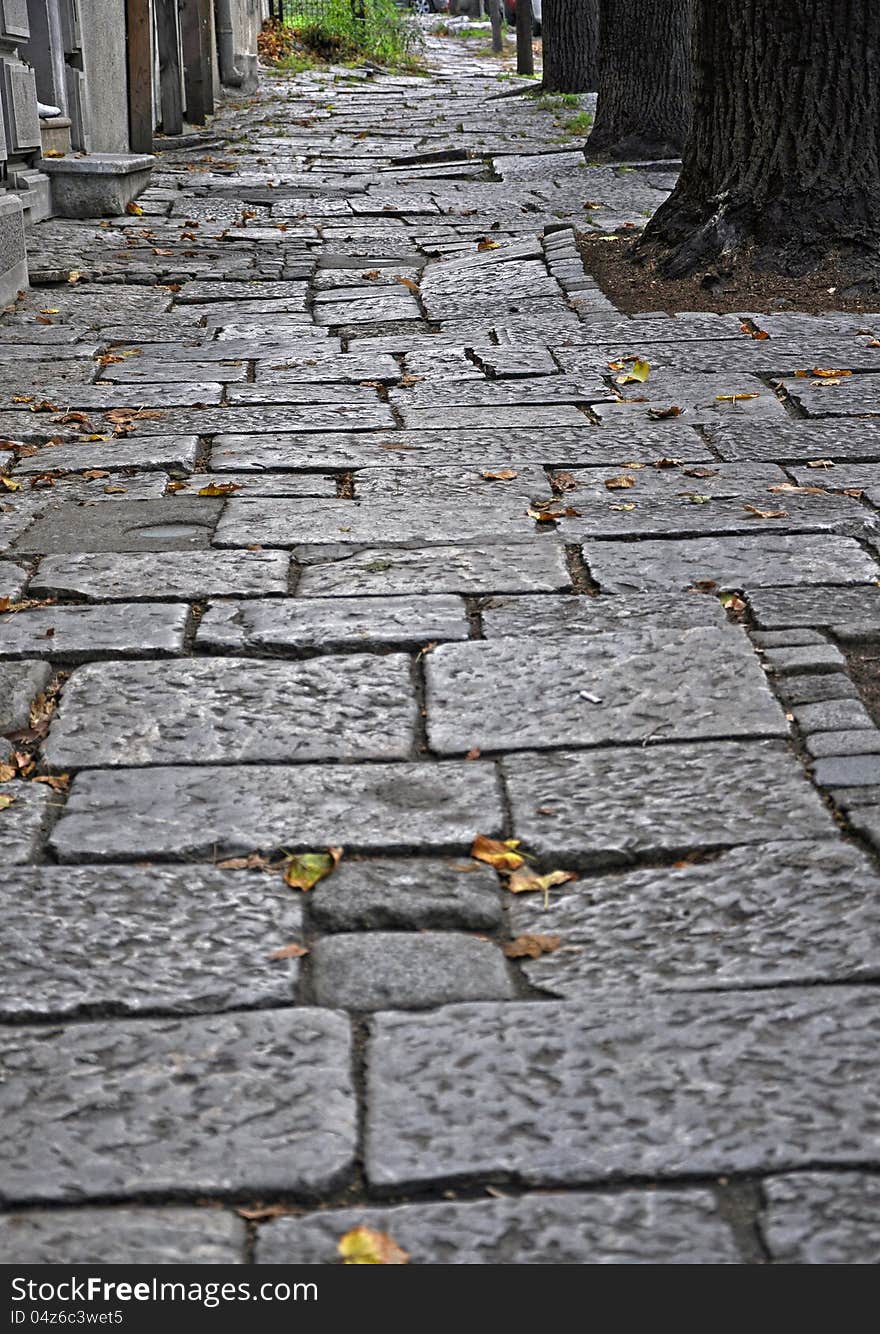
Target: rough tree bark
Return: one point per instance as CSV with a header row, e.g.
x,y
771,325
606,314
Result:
x,y
644,102
570,41
525,56
783,161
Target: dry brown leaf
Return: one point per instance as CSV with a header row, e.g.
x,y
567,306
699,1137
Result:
x,y
474,753
289,952
734,398
7,772
488,244
57,782
661,414
304,869
407,283
133,208
820,463
527,881
799,490
531,946
6,800
622,483
821,373
502,855
765,514
219,489
254,861
505,475
263,1213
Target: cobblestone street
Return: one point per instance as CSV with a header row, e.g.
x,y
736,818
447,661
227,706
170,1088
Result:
x,y
328,521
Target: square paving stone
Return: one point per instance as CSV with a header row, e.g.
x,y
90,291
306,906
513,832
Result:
x,y
163,574
822,1218
125,940
206,811
177,453
610,806
787,441
663,1086
410,895
633,1227
764,915
327,623
238,1104
381,970
171,1235
20,682
71,634
524,567
177,524
234,710
24,821
626,686
847,612
550,616
731,562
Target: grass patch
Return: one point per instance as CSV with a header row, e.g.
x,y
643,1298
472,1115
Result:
x,y
341,32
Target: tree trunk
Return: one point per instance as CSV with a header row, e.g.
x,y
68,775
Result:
x,y
525,56
495,20
784,155
644,102
570,38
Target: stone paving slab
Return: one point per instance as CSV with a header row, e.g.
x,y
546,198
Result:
x,y
527,567
633,1227
24,821
179,523
163,574
855,396
233,710
607,806
788,441
142,1108
381,970
75,634
297,624
627,686
709,1083
203,811
384,895
850,612
176,453
20,683
130,940
546,615
822,1218
12,580
122,1236
764,915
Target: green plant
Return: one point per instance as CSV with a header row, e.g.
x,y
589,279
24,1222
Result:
x,y
341,32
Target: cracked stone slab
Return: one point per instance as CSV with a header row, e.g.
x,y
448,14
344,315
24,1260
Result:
x,y
764,915
606,807
177,453
406,895
558,1094
848,612
163,574
551,615
22,824
20,682
327,623
524,567
381,970
70,634
177,524
168,1235
785,440
626,686
130,940
632,1227
233,711
821,1218
205,811
140,1108
731,562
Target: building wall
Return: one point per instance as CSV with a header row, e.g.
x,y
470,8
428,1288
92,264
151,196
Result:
x,y
106,78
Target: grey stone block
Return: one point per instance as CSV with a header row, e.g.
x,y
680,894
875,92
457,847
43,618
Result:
x,y
163,574
169,1235
327,623
763,915
847,771
200,812
630,685
383,970
141,1108
12,580
479,568
149,453
410,895
815,689
810,658
549,616
832,715
22,824
633,1227
98,184
822,1218
848,612
177,524
608,806
558,1094
233,710
785,639
19,683
862,741
71,634
126,940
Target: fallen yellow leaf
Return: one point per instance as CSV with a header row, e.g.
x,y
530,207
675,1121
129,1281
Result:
x,y
366,1246
622,483
305,869
528,881
637,373
503,856
5,801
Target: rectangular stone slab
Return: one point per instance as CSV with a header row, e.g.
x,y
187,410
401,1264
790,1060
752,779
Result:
x,y
260,625
664,1086
236,1104
235,710
605,807
770,914
822,1218
207,812
525,567
23,822
164,574
627,686
554,614
130,940
180,523
153,452
368,895
72,634
855,610
789,441
170,1235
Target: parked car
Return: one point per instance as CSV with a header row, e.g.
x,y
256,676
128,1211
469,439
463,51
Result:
x,y
510,14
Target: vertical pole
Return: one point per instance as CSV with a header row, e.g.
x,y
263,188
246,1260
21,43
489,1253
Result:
x,y
140,75
495,18
169,66
193,64
525,56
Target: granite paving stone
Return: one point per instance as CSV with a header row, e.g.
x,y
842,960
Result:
x,y
526,567
563,1094
163,574
142,1108
177,524
763,915
295,624
401,970
233,710
77,633
20,683
171,1234
847,770
12,579
848,612
787,441
833,715
551,615
860,741
807,658
633,1227
174,453
24,821
131,940
821,1218
384,895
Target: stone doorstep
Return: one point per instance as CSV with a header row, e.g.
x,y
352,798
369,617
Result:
x,y
97,184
